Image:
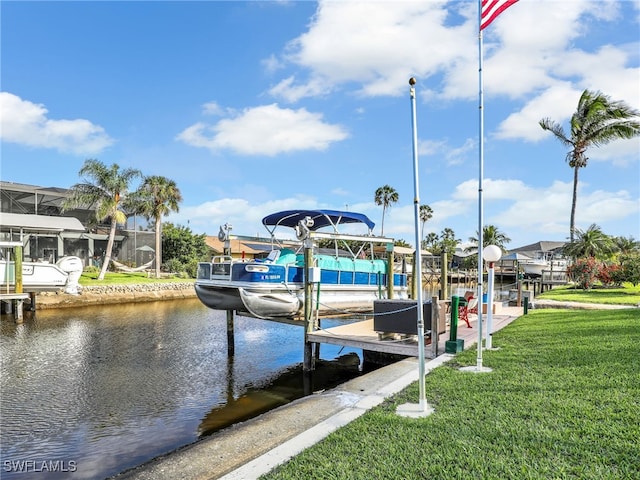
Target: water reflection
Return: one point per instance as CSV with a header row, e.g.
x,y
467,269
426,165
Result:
x,y
109,388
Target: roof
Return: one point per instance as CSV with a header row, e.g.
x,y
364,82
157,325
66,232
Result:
x,y
236,245
39,223
397,249
516,256
26,188
321,218
542,246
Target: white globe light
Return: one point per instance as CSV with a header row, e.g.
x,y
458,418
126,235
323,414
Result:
x,y
492,253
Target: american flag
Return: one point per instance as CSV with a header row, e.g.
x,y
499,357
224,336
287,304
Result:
x,y
491,9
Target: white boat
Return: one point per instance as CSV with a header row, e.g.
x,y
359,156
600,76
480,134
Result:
x,y
535,267
341,282
43,276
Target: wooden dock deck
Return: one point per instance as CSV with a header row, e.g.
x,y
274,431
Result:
x,y
362,335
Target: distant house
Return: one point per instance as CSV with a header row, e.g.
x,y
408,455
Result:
x,y
239,249
33,215
543,250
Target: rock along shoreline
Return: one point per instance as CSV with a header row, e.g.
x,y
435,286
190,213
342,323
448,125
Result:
x,y
116,294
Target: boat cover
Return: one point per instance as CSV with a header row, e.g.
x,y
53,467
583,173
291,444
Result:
x,y
321,218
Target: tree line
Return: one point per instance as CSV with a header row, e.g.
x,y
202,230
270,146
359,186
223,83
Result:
x,y
108,191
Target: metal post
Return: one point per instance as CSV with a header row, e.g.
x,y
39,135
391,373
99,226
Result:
x,y
488,342
422,408
453,327
390,261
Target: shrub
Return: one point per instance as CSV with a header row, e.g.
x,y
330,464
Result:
x,y
173,265
610,274
583,272
630,267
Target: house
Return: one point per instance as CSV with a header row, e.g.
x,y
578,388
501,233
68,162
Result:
x,y
33,215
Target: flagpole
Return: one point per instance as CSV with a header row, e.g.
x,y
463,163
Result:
x,y
422,408
478,367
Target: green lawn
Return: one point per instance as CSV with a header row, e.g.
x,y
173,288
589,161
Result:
x,y
112,278
563,401
628,295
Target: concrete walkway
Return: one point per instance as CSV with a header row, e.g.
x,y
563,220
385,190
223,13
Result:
x,y
250,449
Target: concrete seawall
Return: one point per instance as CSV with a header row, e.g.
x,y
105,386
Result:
x,y
114,294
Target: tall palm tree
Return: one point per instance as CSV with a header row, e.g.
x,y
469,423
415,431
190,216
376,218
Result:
x,y
591,242
491,235
385,196
597,121
105,189
157,197
426,213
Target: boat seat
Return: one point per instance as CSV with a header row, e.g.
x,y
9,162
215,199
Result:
x,y
273,256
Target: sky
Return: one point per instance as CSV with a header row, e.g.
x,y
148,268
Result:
x,y
256,107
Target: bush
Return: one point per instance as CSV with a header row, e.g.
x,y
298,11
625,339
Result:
x,y
583,272
630,267
609,275
173,265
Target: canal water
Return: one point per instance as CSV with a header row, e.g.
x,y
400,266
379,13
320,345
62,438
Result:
x,y
91,392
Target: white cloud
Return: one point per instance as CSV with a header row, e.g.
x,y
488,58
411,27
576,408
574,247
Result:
x,y
377,45
558,103
441,148
212,108
265,130
26,123
620,153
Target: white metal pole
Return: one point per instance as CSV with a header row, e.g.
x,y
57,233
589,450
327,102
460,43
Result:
x,y
487,342
480,199
418,268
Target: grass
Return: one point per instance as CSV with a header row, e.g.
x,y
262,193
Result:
x,y
113,278
627,295
563,401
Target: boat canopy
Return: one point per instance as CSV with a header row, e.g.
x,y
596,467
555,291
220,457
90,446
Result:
x,y
321,218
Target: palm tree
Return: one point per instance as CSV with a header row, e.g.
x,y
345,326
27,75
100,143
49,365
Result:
x,y
105,189
430,242
448,242
627,245
385,196
426,213
491,235
597,121
591,242
157,197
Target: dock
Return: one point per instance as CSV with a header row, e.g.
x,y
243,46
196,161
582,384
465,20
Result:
x,y
362,335
13,301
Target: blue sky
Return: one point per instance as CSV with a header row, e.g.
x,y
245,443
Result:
x,y
255,107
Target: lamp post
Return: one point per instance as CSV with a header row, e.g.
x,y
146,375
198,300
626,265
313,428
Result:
x,y
492,254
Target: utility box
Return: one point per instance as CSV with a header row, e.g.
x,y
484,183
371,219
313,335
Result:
x,y
400,316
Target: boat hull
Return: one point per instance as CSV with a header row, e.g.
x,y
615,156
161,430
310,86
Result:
x,y
41,277
269,302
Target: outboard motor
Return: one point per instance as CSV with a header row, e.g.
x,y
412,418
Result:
x,y
73,267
